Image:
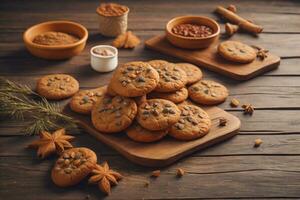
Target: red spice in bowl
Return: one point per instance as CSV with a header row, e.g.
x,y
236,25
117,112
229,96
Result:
x,y
192,30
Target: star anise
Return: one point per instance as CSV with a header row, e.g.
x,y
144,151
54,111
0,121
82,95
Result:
x,y
261,53
51,143
105,177
248,109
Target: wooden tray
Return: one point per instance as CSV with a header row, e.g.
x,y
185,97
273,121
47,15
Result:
x,y
168,150
208,58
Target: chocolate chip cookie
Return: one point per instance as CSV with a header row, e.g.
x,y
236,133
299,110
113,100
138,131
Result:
x,y
139,134
140,100
113,114
236,51
156,63
110,91
171,77
193,123
208,92
176,97
57,86
193,73
83,101
157,114
73,166
134,79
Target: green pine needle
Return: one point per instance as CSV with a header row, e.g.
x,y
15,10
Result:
x,y
19,102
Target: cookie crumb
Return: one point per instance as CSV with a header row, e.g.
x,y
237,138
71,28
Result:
x,y
234,103
155,173
257,142
146,184
248,109
180,172
222,121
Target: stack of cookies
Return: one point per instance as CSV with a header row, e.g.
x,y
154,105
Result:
x,y
147,100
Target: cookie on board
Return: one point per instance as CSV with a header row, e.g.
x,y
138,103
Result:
x,y
57,86
237,52
113,114
73,166
140,100
176,97
208,92
193,123
139,134
82,102
134,79
110,91
171,77
193,72
157,114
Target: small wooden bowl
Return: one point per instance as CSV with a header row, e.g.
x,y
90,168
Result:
x,y
192,42
56,52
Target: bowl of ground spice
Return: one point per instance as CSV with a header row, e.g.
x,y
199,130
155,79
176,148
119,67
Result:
x,y
55,40
192,32
112,19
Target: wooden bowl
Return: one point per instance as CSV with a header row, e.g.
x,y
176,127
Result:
x,y
56,52
192,42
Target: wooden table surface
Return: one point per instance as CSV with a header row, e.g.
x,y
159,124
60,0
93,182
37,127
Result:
x,y
230,170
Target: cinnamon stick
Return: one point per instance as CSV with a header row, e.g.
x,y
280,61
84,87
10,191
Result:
x,y
236,19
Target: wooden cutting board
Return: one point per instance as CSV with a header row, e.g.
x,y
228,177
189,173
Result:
x,y
168,150
209,58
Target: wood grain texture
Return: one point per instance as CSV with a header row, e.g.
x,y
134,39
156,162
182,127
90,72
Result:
x,y
266,182
231,170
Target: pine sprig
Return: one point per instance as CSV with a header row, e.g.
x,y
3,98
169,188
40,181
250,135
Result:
x,y
19,102
12,87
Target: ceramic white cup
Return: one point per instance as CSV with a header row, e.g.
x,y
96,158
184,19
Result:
x,y
104,63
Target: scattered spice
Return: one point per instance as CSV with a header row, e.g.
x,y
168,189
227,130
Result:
x,y
236,19
248,109
222,121
105,177
146,184
155,173
257,142
103,52
52,38
231,29
232,8
127,40
234,103
192,30
180,172
50,143
112,9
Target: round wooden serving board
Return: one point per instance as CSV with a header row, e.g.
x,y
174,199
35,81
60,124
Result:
x,y
168,150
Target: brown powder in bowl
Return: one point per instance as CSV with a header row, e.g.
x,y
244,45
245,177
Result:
x,y
112,9
103,52
52,38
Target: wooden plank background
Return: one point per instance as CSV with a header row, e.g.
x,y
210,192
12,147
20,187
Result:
x,y
231,170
